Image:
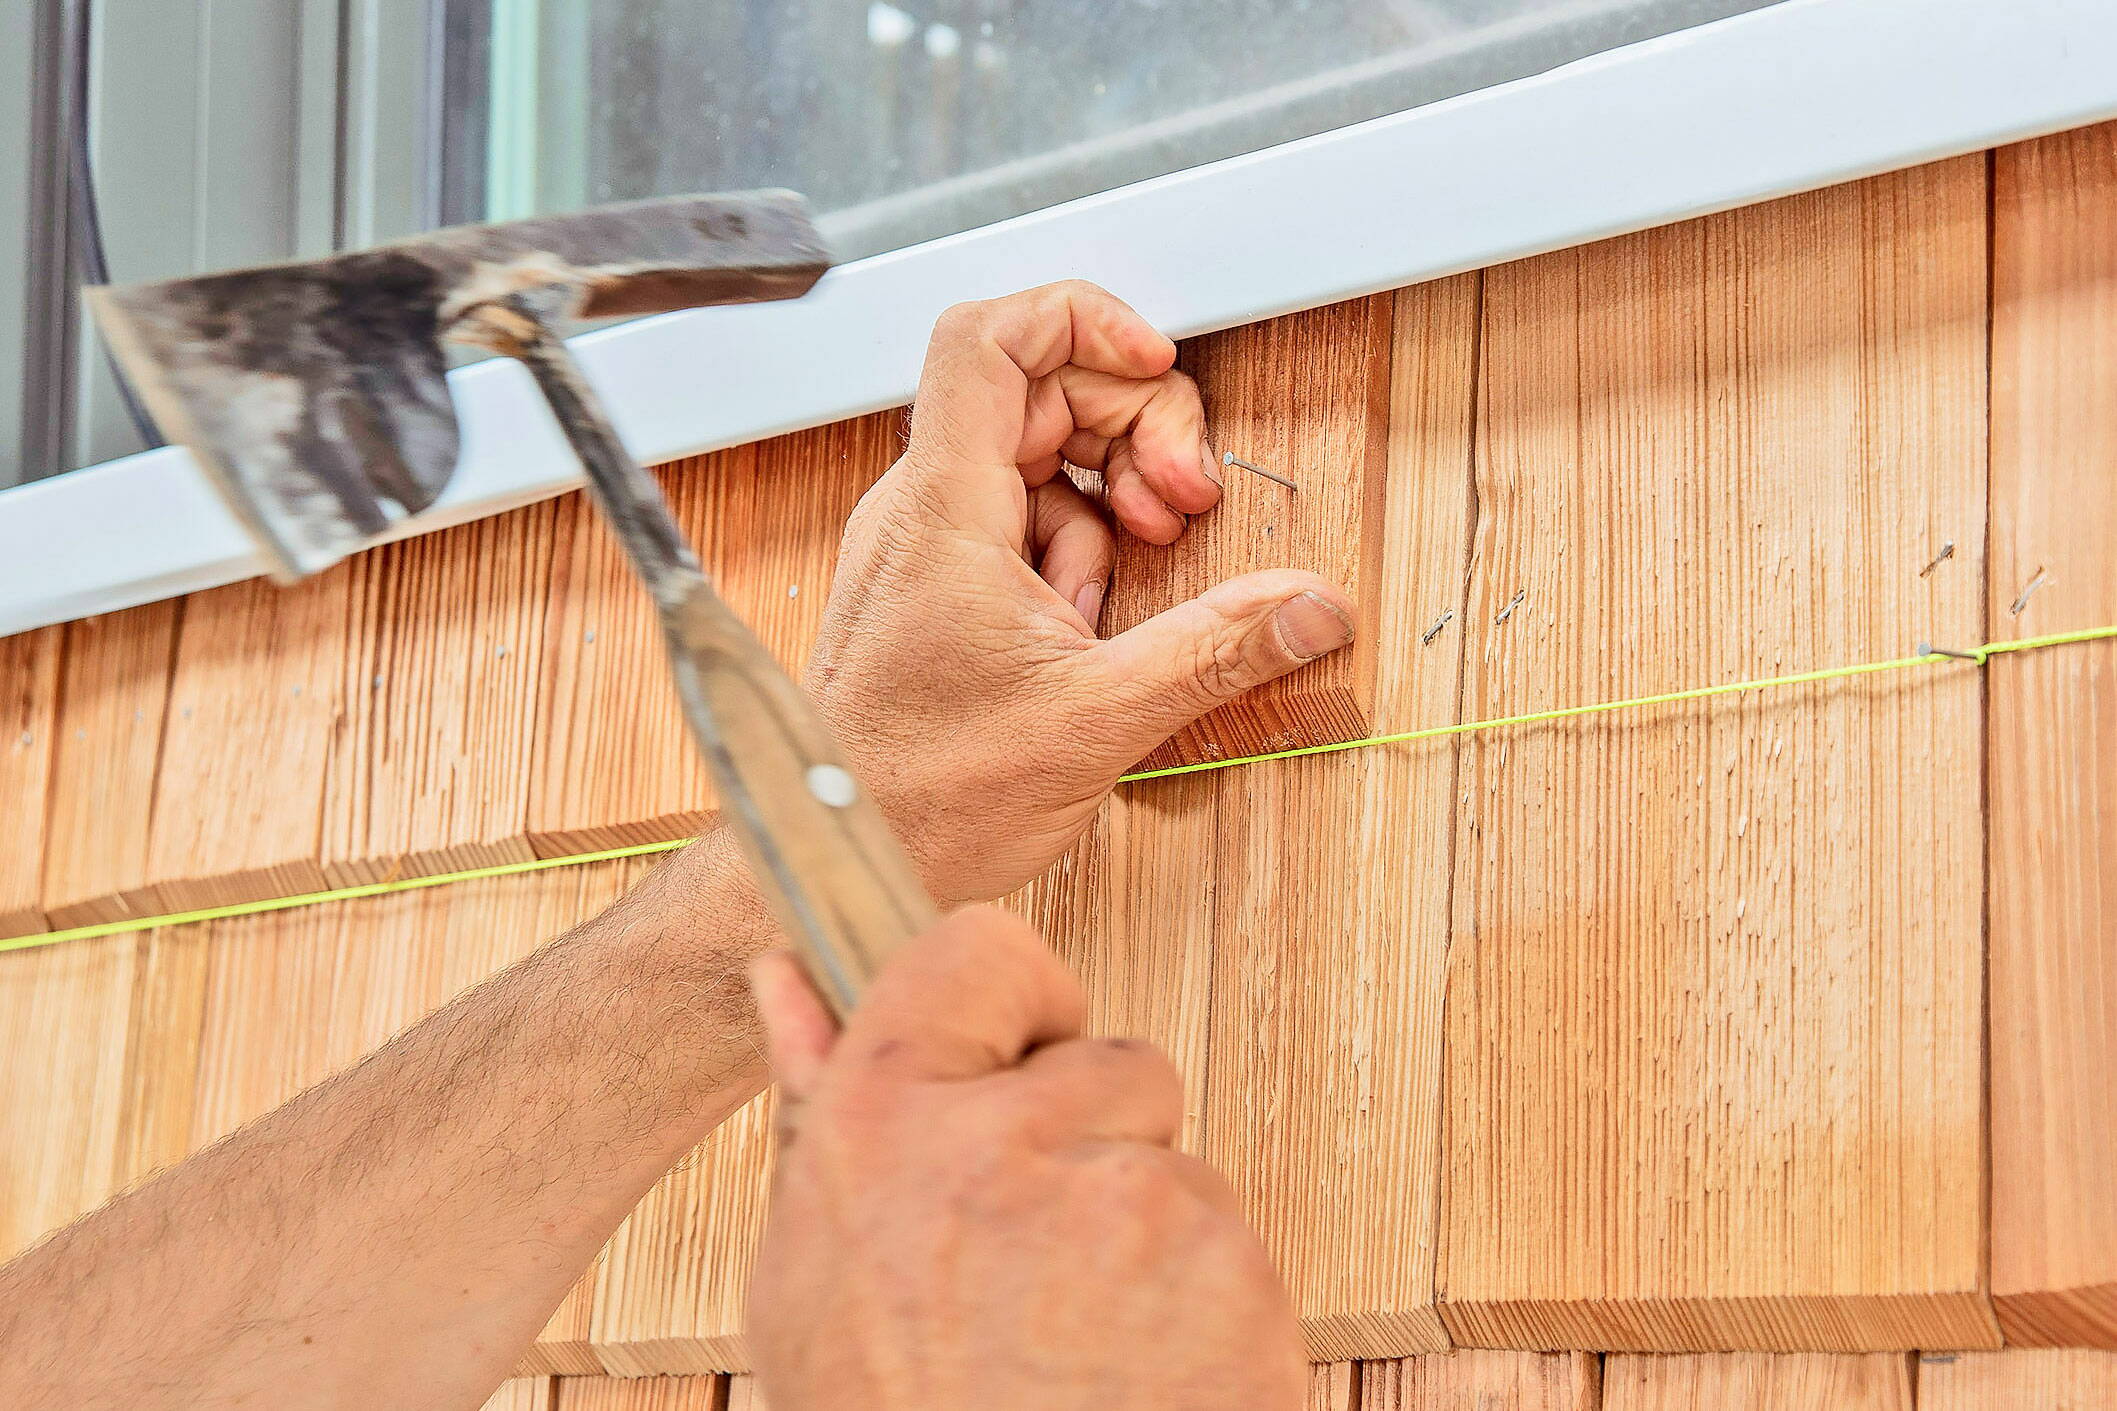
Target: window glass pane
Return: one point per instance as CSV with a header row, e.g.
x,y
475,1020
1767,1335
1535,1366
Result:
x,y
903,120
908,119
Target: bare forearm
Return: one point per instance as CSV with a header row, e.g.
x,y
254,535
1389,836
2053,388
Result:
x,y
398,1235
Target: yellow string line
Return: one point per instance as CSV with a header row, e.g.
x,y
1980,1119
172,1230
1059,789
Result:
x,y
1977,656
366,889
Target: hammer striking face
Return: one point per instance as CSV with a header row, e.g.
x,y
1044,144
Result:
x,y
315,393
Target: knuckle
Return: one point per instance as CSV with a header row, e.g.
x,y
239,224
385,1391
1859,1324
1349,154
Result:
x,y
1144,1077
1048,988
1132,1176
1149,1069
1130,1065
1020,982
961,320
1068,289
1226,663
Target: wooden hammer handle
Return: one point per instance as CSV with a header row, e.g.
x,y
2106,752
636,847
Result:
x,y
838,880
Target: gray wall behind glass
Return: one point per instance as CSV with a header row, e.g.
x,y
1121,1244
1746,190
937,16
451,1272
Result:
x,y
224,132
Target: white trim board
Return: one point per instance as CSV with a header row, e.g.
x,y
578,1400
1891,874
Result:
x,y
1799,95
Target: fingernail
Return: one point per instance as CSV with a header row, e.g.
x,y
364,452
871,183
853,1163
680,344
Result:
x,y
1090,602
1210,463
1311,625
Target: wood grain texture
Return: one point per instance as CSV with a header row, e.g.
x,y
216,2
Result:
x,y
1323,1099
2053,753
1483,1380
295,996
1138,915
149,1047
1755,1381
104,1037
2025,1380
1661,1032
255,700
615,764
524,1394
163,1038
29,704
1334,1386
114,698
63,1012
772,541
1306,396
643,1394
1488,1380
667,1294
292,997
1714,997
443,657
674,1280
1131,911
490,693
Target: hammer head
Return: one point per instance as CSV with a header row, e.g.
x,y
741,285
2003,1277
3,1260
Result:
x,y
315,393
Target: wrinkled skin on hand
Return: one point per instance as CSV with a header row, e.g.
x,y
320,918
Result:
x,y
979,1209
958,661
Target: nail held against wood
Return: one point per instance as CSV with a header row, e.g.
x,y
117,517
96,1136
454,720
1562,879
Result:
x,y
1230,458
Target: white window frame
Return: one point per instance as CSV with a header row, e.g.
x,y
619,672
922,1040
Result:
x,y
1800,95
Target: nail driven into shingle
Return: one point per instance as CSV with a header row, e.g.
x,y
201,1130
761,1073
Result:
x,y
2037,580
1230,458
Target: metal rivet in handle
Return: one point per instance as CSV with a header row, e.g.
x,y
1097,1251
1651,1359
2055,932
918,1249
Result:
x,y
828,784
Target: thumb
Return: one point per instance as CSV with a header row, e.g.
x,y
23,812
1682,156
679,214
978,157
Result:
x,y
1173,668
